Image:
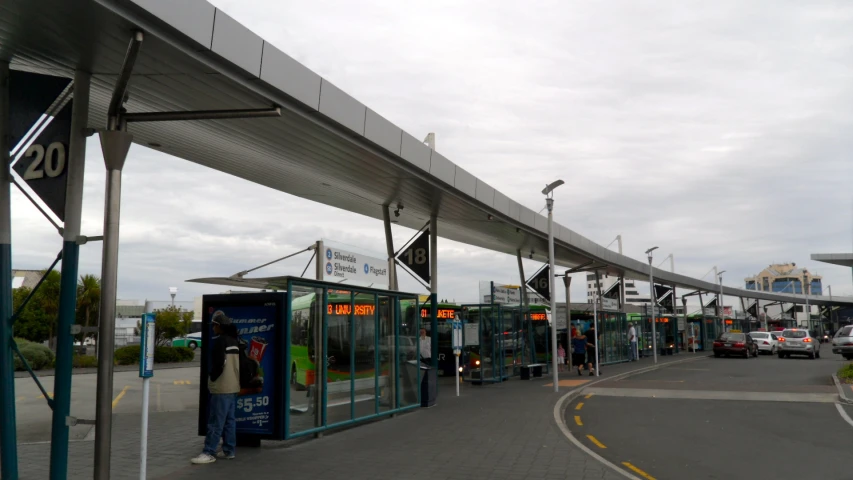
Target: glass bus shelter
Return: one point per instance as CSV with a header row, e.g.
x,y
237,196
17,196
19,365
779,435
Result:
x,y
324,355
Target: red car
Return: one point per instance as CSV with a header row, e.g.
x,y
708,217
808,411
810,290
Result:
x,y
735,344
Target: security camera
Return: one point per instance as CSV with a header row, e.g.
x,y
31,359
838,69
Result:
x,y
531,255
397,212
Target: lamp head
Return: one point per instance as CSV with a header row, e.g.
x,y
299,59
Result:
x,y
649,251
550,188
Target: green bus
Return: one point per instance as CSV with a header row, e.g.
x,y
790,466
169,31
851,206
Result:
x,y
345,341
446,313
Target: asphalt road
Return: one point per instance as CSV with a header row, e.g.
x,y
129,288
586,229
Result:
x,y
172,390
721,418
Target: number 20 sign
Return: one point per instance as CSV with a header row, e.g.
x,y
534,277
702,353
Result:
x,y
44,164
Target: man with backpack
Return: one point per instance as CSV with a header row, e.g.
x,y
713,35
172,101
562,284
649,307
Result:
x,y
224,385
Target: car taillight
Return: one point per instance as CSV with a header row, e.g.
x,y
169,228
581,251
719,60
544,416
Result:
x,y
739,344
781,339
766,343
848,344
807,340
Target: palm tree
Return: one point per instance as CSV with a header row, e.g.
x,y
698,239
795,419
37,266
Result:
x,y
88,296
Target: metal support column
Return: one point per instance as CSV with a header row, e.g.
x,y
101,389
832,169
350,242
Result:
x,y
433,287
389,247
524,308
320,353
68,285
115,145
8,432
691,338
567,281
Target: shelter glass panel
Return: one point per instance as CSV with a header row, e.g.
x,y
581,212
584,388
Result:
x,y
340,354
408,361
305,371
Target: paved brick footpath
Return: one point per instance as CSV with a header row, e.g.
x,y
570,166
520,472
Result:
x,y
501,431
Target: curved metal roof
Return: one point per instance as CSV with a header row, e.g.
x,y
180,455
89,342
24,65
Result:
x,y
326,146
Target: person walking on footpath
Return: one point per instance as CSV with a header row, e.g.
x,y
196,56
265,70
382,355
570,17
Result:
x,y
579,352
632,338
561,357
591,351
224,385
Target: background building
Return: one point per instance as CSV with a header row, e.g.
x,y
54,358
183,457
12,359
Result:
x,y
785,278
632,297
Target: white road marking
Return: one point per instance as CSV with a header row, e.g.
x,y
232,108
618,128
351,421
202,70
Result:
x,y
844,414
715,395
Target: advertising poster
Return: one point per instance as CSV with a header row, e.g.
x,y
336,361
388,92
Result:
x,y
256,327
256,318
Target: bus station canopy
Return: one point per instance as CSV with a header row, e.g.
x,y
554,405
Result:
x,y
842,259
326,146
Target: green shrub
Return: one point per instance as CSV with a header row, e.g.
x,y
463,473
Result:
x,y
185,354
845,373
37,355
128,355
85,361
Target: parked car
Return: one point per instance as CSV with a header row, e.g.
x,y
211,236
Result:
x,y
767,341
842,342
798,341
192,341
735,344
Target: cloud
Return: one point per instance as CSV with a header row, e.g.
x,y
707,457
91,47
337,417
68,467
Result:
x,y
716,131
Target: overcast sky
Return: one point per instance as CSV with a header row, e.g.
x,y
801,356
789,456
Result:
x,y
719,131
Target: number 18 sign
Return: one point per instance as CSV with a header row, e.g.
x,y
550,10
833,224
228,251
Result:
x,y
146,350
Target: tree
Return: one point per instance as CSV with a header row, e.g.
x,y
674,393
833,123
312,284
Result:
x,y
171,322
31,323
47,300
88,298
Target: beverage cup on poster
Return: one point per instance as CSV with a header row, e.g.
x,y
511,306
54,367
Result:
x,y
257,347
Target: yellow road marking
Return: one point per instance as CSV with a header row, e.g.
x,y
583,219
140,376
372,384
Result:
x,y
49,395
120,395
588,396
181,382
566,383
595,441
578,420
579,406
638,471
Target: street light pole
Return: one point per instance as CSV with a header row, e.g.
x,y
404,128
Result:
x,y
722,311
548,191
806,293
652,304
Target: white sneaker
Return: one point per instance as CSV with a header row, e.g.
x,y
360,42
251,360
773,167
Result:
x,y
222,455
202,459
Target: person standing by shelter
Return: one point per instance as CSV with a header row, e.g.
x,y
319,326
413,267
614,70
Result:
x,y
561,357
426,347
579,352
591,351
224,385
632,338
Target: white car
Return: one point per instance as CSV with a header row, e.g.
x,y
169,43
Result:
x,y
767,342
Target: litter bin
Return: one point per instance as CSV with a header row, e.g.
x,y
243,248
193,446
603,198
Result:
x,y
428,386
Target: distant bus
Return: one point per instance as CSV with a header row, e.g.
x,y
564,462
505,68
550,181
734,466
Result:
x,y
517,345
446,313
